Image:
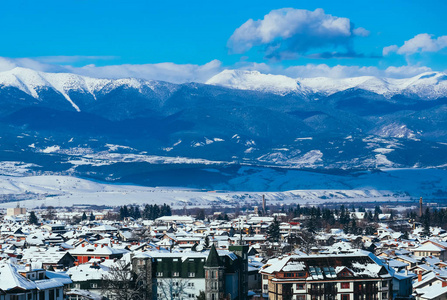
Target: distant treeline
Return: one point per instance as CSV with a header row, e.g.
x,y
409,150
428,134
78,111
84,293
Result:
x,y
150,212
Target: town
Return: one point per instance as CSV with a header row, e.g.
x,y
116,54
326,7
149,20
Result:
x,y
154,252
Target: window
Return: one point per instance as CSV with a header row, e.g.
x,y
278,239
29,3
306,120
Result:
x,y
266,286
159,274
159,259
345,285
30,296
300,286
93,285
191,284
345,297
58,293
42,295
384,283
175,274
77,285
301,297
175,259
191,274
384,295
51,295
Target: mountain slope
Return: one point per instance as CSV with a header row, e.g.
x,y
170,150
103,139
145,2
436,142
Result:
x,y
66,123
431,85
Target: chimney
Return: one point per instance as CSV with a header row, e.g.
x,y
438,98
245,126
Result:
x,y
83,245
27,267
444,284
419,277
406,272
263,204
420,207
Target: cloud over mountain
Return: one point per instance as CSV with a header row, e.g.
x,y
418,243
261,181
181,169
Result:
x,y
423,42
286,33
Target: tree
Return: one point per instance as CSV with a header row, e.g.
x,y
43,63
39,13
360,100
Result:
x,y
91,217
206,243
50,214
32,219
172,288
200,214
201,296
273,231
122,283
84,217
426,218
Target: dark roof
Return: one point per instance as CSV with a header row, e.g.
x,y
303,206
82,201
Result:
x,y
213,259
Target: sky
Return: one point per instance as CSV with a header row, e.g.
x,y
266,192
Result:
x,y
183,41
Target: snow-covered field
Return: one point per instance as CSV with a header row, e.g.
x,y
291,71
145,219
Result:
x,y
69,191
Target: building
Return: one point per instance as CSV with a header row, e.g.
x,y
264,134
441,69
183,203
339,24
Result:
x,y
23,282
16,211
84,252
220,274
354,276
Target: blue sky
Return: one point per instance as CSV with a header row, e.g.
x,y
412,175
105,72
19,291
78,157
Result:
x,y
76,33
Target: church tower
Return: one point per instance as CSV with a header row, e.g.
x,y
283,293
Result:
x,y
214,276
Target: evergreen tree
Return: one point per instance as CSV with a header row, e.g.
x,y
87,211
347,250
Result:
x,y
207,242
426,223
201,296
92,217
33,218
84,217
273,231
200,214
136,213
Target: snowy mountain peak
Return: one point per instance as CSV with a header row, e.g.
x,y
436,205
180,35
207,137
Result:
x,y
33,82
254,80
430,85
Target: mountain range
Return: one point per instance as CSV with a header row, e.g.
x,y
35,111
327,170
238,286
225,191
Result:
x,y
141,131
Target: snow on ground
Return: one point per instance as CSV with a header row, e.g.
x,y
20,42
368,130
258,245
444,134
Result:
x,y
15,168
69,191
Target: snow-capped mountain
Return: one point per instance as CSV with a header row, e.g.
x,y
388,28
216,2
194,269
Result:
x,y
163,132
431,85
33,83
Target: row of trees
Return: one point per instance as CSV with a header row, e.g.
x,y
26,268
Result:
x,y
150,212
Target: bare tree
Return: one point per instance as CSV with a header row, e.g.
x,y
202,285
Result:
x,y
172,288
122,283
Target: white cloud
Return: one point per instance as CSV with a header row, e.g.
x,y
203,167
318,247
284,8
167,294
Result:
x,y
182,73
289,31
69,59
423,42
171,72
390,49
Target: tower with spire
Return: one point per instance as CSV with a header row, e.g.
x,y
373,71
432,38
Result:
x,y
214,276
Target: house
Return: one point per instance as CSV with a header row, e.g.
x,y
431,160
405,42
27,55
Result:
x,y
432,248
193,272
23,282
351,276
84,252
